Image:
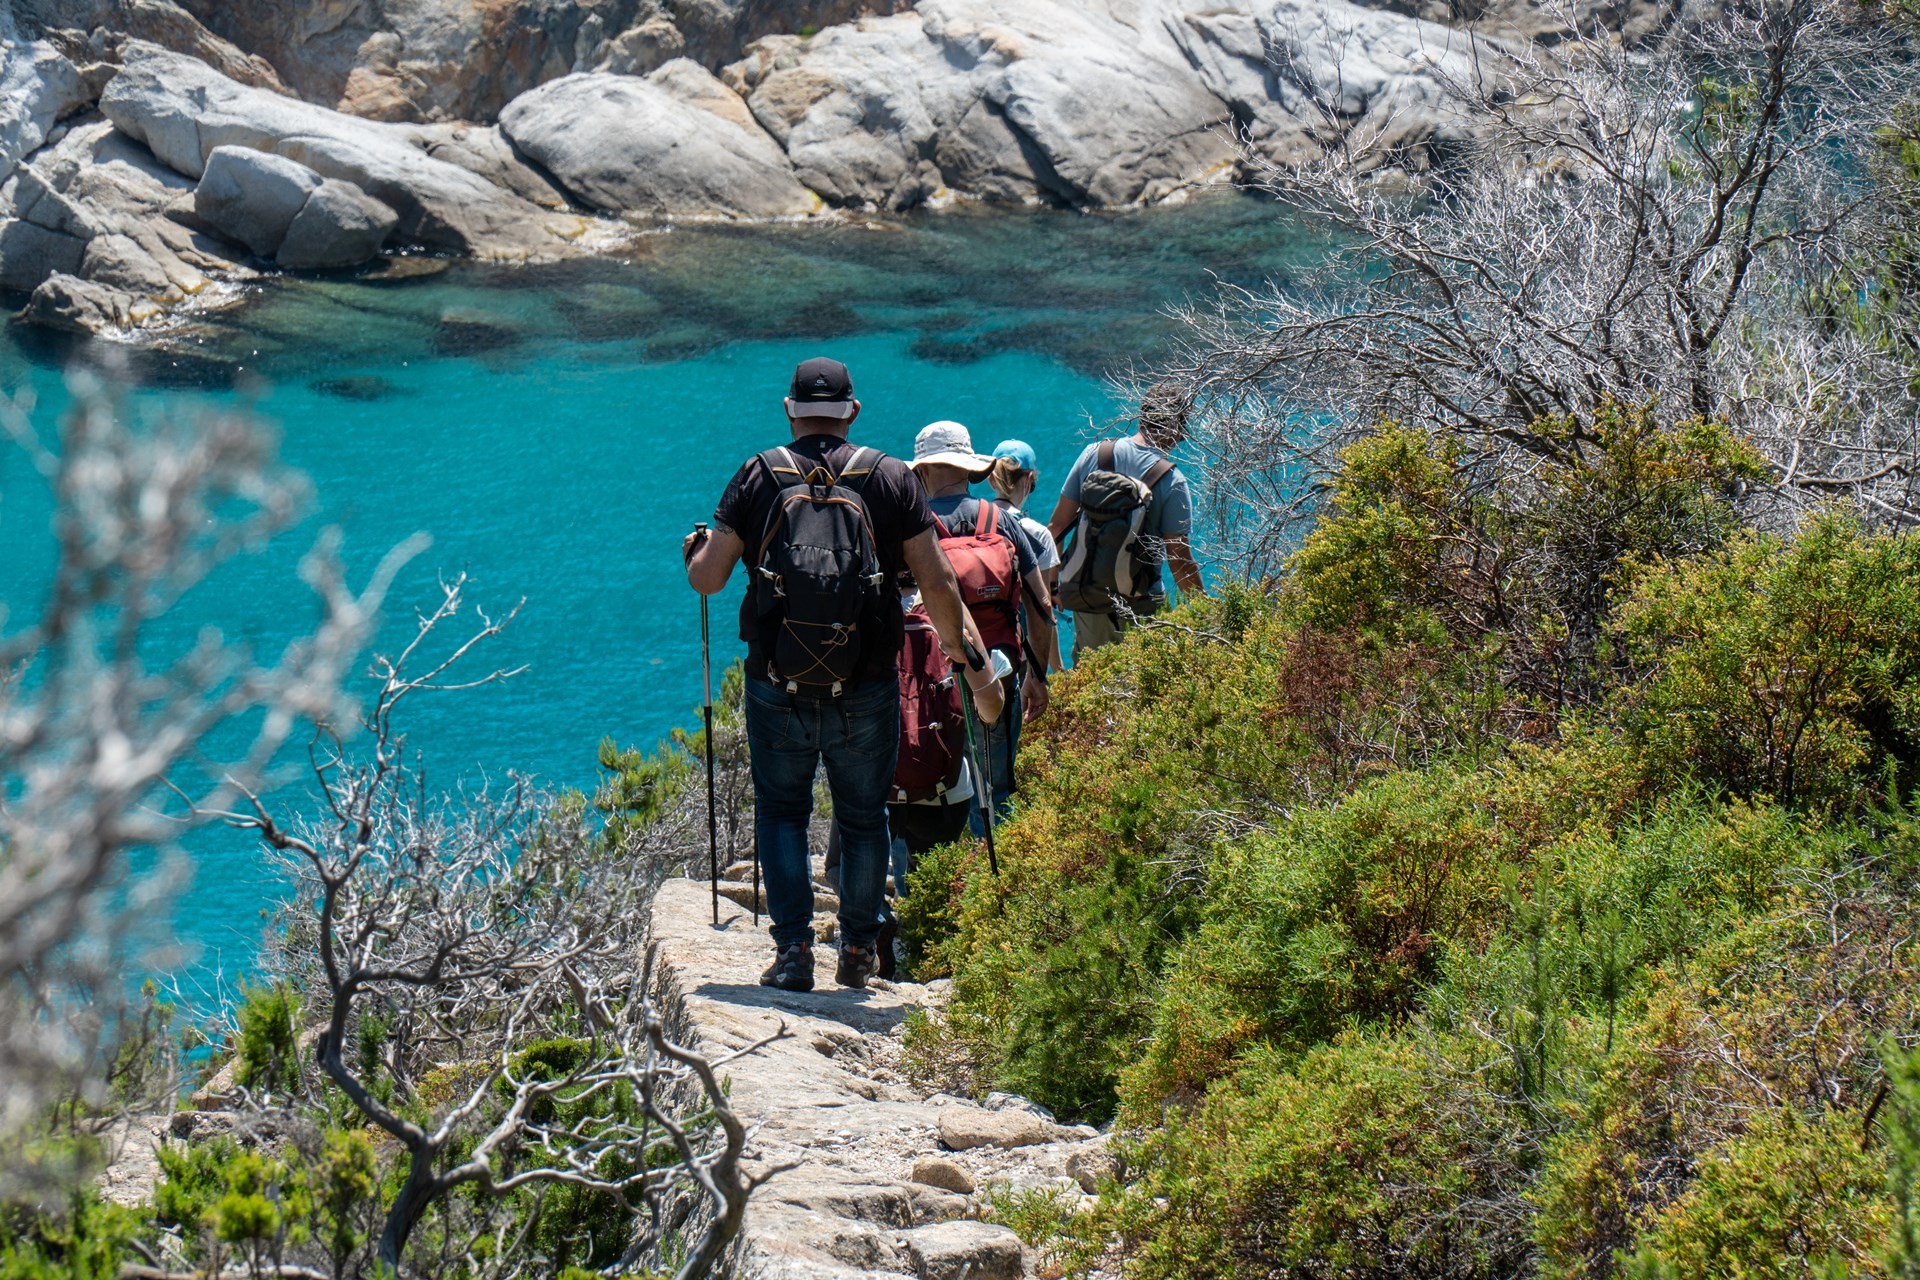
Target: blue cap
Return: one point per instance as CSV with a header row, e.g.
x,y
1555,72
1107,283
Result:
x,y
1020,451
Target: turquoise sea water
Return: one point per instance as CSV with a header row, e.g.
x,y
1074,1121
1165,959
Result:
x,y
555,430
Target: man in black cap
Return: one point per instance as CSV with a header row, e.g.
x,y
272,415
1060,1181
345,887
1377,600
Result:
x,y
832,527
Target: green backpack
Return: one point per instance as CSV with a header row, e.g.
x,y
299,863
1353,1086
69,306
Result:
x,y
1106,569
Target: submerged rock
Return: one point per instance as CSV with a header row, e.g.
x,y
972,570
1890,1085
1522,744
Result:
x,y
665,144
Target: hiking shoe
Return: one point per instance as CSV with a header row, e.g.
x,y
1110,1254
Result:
x,y
884,946
857,964
792,968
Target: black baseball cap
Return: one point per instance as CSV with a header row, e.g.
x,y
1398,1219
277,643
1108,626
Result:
x,y
822,388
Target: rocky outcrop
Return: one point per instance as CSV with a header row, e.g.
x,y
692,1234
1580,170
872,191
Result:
x,y
252,196
1088,103
870,1191
1091,103
183,111
339,226
39,86
283,210
440,60
676,142
106,234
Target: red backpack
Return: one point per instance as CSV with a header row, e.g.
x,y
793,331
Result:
x,y
989,574
933,737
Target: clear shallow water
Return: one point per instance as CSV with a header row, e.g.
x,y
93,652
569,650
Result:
x,y
557,429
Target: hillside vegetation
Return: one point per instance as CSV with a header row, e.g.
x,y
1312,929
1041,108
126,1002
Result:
x,y
1411,936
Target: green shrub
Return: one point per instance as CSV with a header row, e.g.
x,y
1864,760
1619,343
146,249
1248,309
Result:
x,y
89,1240
1353,1161
1338,919
269,1038
1785,1199
1785,669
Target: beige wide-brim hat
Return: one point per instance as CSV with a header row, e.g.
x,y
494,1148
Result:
x,y
949,444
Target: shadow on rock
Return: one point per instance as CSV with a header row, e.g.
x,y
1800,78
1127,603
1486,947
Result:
x,y
839,1004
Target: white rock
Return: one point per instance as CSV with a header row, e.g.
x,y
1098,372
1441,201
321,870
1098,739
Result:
x,y
1100,90
108,194
483,150
859,107
965,1251
627,144
37,88
339,226
184,110
999,1101
252,196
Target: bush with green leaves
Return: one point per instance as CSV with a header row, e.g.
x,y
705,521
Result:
x,y
267,1038
84,1238
1777,667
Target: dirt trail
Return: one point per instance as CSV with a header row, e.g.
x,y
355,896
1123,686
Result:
x,y
889,1180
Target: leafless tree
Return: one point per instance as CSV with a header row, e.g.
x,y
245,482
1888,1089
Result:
x,y
1586,224
96,710
494,948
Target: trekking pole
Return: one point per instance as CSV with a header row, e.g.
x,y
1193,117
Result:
x,y
983,781
706,676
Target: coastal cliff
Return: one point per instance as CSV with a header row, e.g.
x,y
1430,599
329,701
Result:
x,y
519,132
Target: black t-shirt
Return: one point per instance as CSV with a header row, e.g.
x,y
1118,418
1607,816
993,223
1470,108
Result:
x,y
897,506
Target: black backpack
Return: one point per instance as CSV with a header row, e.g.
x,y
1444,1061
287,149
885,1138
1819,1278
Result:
x,y
1106,568
818,578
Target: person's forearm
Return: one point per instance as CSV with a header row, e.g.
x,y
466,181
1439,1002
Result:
x,y
711,563
1185,571
1065,512
1046,638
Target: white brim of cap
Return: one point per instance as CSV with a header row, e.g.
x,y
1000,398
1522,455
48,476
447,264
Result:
x,y
819,408
971,463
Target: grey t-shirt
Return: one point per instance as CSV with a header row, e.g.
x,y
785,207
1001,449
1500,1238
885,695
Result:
x,y
1046,554
1170,516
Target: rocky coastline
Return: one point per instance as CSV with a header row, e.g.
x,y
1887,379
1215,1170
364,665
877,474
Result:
x,y
152,150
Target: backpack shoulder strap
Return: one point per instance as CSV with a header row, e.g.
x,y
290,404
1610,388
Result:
x,y
1157,472
1103,459
860,468
940,527
782,467
986,519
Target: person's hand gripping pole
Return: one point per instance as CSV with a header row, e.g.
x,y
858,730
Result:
x,y
976,756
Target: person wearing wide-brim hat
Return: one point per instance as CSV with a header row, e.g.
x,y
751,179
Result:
x,y
948,444
945,460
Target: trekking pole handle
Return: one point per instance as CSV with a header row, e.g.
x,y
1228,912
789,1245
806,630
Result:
x,y
975,659
700,534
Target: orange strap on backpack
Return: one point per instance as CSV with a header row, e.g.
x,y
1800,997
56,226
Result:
x,y
988,569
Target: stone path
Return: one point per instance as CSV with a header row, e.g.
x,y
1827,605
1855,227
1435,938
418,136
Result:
x,y
889,1181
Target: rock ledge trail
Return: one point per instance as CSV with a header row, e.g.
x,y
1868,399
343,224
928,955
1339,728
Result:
x,y
888,1180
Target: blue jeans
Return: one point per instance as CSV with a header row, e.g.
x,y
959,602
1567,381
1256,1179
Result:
x,y
1002,744
857,735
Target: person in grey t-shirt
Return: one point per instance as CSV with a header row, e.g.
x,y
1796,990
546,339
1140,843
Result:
x,y
1166,532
